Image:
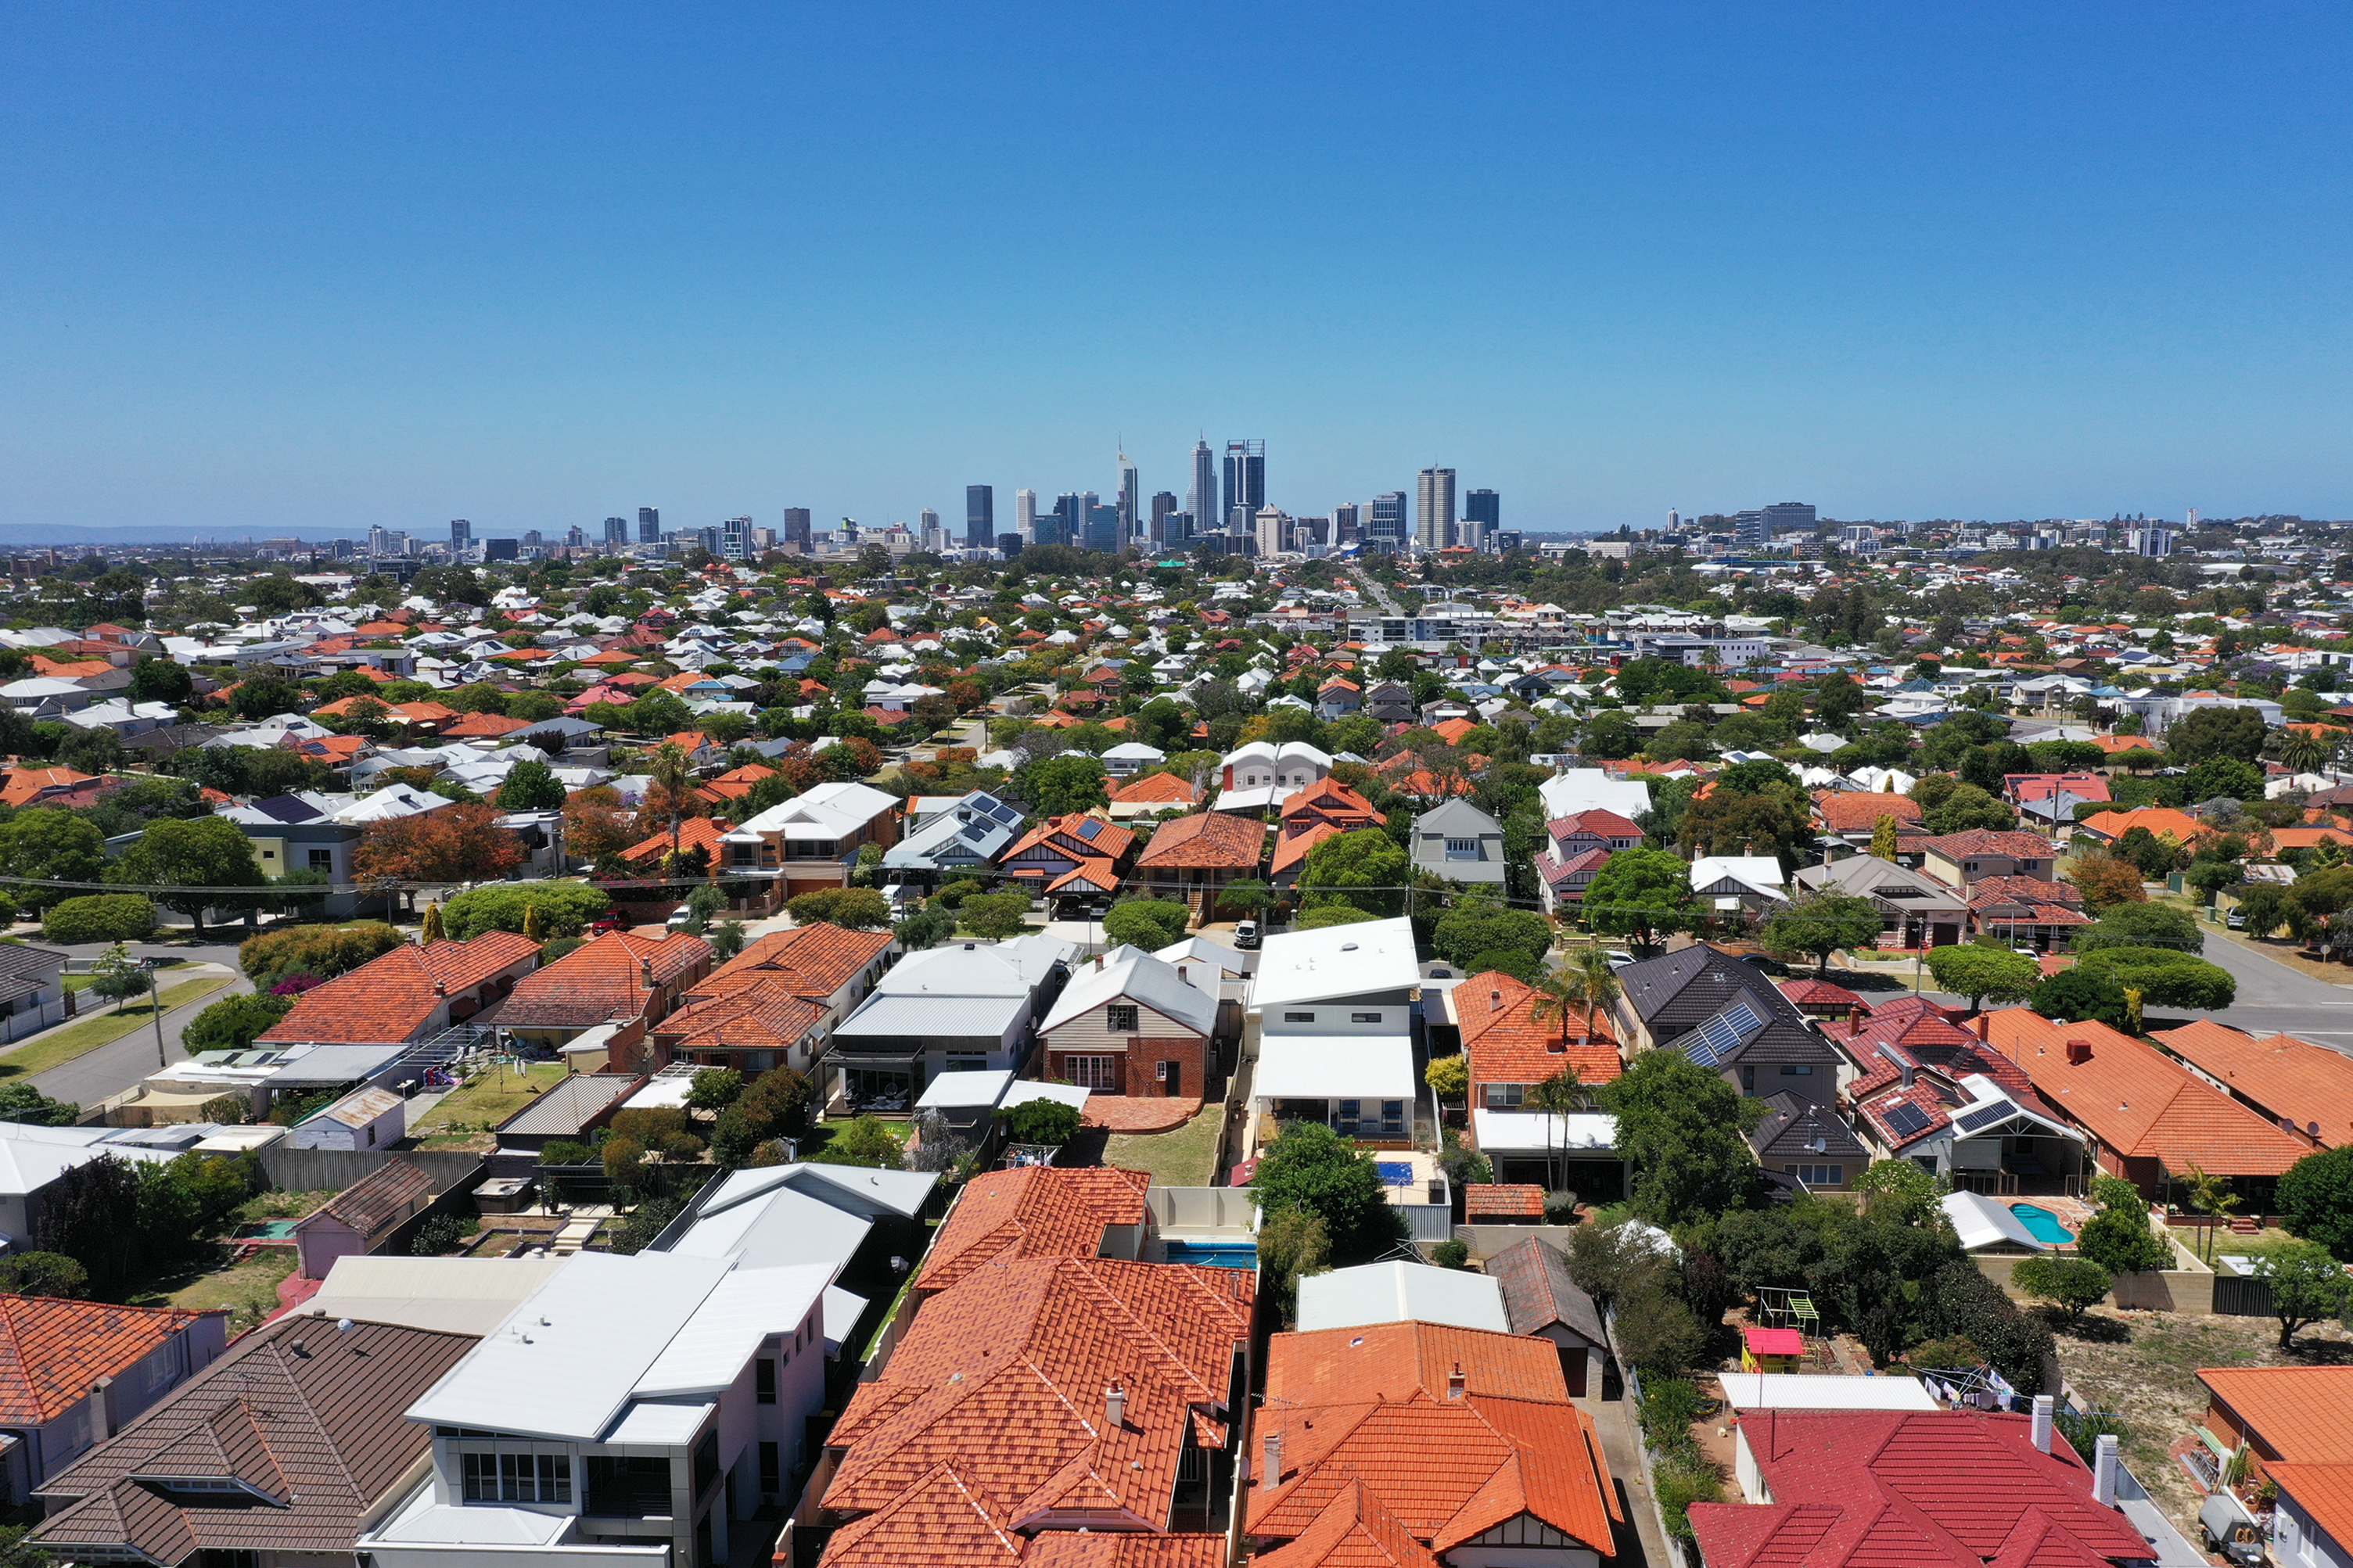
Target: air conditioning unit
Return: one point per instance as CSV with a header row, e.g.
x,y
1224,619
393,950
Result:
x,y
1160,1071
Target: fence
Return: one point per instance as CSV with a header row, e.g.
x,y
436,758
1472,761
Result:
x,y
41,1015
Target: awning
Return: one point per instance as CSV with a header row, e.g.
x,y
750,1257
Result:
x,y
1334,1067
1586,1134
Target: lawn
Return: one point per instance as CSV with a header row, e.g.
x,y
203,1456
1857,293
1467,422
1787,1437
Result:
x,y
250,1290
1180,1157
63,1044
2144,1366
468,1113
81,982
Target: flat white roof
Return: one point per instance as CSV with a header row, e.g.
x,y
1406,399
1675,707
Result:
x,y
1544,1132
1022,1093
964,1089
450,1295
710,1351
1334,1067
1818,1391
1401,1293
1338,961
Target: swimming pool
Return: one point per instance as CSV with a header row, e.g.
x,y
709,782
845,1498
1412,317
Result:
x,y
1215,1254
2043,1225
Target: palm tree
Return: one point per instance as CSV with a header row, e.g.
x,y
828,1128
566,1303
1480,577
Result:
x,y
672,773
2302,752
1556,995
1558,1095
1600,981
2210,1195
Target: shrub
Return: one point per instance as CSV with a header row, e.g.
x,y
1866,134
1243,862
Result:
x,y
440,1235
2075,1284
1148,923
564,908
714,1090
1450,1254
229,1110
861,1141
2075,994
1959,1301
104,916
566,1151
44,1274
1951,1353
1045,1121
232,1023
324,950
852,908
997,915
1312,1169
20,1101
2316,1195
549,951
646,1222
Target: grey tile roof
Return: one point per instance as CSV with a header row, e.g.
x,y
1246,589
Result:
x,y
1538,1293
1794,1123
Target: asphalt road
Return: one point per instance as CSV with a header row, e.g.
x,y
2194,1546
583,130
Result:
x,y
2274,999
116,1066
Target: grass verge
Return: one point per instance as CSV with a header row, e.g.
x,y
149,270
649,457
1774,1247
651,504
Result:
x,y
63,1044
1180,1157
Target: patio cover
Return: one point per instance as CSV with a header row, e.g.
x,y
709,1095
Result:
x,y
1334,1067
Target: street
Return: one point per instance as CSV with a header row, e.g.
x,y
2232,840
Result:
x,y
2274,999
119,1064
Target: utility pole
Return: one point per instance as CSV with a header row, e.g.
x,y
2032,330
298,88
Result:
x,y
155,1005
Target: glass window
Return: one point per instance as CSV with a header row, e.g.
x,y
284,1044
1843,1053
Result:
x,y
1463,846
1797,1072
1364,1018
1299,1017
764,1380
1120,1018
1503,1096
1093,1072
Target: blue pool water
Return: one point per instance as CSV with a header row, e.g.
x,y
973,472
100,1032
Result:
x,y
1214,1254
2043,1224
1396,1173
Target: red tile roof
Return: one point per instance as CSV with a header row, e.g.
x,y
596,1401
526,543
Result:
x,y
1507,1044
2163,821
812,962
1214,840
25,785
693,832
1503,1200
2297,1412
1157,787
1038,1211
1353,1531
2310,1084
391,999
1810,993
52,1349
1986,841
1849,811
602,981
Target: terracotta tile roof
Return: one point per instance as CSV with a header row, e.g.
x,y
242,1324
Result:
x,y
1868,1489
1353,1531
1507,1044
1124,1549
2309,1085
1006,1381
692,832
389,999
1291,848
1165,788
1986,841
483,727
2296,1412
759,1014
1214,840
26,785
2137,1101
1604,825
319,1430
2027,890
602,981
1810,993
1847,811
812,962
52,1349
1040,1211
2325,1492
2161,820
1328,798
1503,1200
1080,836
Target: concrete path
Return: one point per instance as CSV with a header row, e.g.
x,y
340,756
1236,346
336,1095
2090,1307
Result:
x,y
1640,1543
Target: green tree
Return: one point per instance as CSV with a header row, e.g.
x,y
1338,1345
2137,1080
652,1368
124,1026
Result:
x,y
924,928
20,1101
1475,926
2147,924
1821,923
161,681
2075,994
118,976
2220,778
204,856
234,1023
2210,1195
1324,915
2206,732
1148,923
102,917
1313,1170
1059,785
1643,894
41,1274
1245,898
1683,1128
2074,1283
861,1141
1899,1189
1046,1123
995,916
2118,1237
321,951
564,908
530,786
1363,858
2316,1195
1291,1245
2264,907
45,842
852,908
2306,1284
1983,973
1449,1077
2164,976
714,1090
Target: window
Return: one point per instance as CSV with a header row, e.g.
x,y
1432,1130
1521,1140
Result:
x,y
764,1380
1794,1071
1352,1113
1364,1018
1120,1018
1748,1077
1392,1115
1505,1096
706,1461
965,1063
1462,848
1299,1017
516,1478
1817,1176
772,1469
1093,1072
323,860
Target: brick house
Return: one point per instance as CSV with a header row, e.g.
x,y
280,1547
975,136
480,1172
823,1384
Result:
x,y
1128,1024
1190,859
1078,855
775,1004
629,981
1960,859
73,1374
414,991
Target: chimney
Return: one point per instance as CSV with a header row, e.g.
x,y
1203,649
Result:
x,y
1274,1457
1456,1383
2103,1470
439,989
1985,1029
645,968
2079,1051
1116,1406
2043,1406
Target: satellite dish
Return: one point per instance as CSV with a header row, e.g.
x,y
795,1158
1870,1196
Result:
x,y
2313,1127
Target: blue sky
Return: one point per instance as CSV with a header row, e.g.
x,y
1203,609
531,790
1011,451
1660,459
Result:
x,y
268,267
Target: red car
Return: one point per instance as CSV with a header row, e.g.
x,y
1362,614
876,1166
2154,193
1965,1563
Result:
x,y
607,921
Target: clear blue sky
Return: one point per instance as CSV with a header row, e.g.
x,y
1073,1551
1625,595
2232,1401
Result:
x,y
330,265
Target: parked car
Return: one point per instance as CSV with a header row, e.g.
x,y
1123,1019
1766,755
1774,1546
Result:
x,y
679,917
609,920
1618,960
1246,936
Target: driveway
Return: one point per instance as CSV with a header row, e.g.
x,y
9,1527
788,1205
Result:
x,y
1640,1542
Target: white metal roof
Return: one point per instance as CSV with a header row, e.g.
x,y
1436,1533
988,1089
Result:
x,y
1566,1134
842,1311
1027,1089
660,1423
1401,1293
1130,972
1338,961
1818,1391
783,1228
450,1295
1334,1067
1981,1222
711,1351
964,1089
1573,790
853,1188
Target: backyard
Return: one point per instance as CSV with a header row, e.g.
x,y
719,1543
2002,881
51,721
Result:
x,y
1180,1157
465,1116
2144,1367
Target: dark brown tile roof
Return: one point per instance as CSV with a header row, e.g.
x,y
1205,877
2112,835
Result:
x,y
382,1198
316,1432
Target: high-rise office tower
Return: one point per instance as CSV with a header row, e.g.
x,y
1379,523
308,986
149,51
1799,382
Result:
x,y
1181,526
1201,500
1433,522
1273,530
927,531
1025,515
735,539
979,516
1164,507
1128,510
1386,526
1069,517
379,540
1484,511
498,550
1104,529
461,533
1245,483
1784,514
616,530
574,537
533,540
1674,521
797,527
1345,525
648,525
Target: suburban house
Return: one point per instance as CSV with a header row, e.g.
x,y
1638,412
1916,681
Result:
x,y
1337,1012
1960,859
2026,912
1038,1211
365,1119
2147,1119
1191,859
811,841
966,837
1080,855
1510,1051
1327,800
554,1434
2306,1088
1393,1292
278,1451
1153,796
964,1007
1576,846
1736,882
1354,1418
1925,1089
1915,909
1940,1489
2161,821
1727,1016
32,990
410,994
618,984
300,832
34,1159
1390,702
73,1374
363,1218
1128,1024
775,1003
1541,1299
1459,842
1808,1144
1855,815
2290,1423
1264,773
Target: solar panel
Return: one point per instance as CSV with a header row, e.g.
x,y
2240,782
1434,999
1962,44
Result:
x,y
1906,1120
1720,1035
975,832
1089,828
2000,1110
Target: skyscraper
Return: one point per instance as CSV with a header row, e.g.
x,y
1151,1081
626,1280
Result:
x,y
1345,525
574,537
928,532
1272,531
461,534
1433,522
1025,515
797,527
1245,484
735,539
979,517
1484,511
1069,518
1386,527
1104,530
1164,507
648,525
1201,500
616,530
1128,510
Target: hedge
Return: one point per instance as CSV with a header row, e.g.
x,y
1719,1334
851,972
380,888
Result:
x,y
564,908
102,917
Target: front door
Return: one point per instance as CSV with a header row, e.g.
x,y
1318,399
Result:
x,y
1176,1077
1572,1367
